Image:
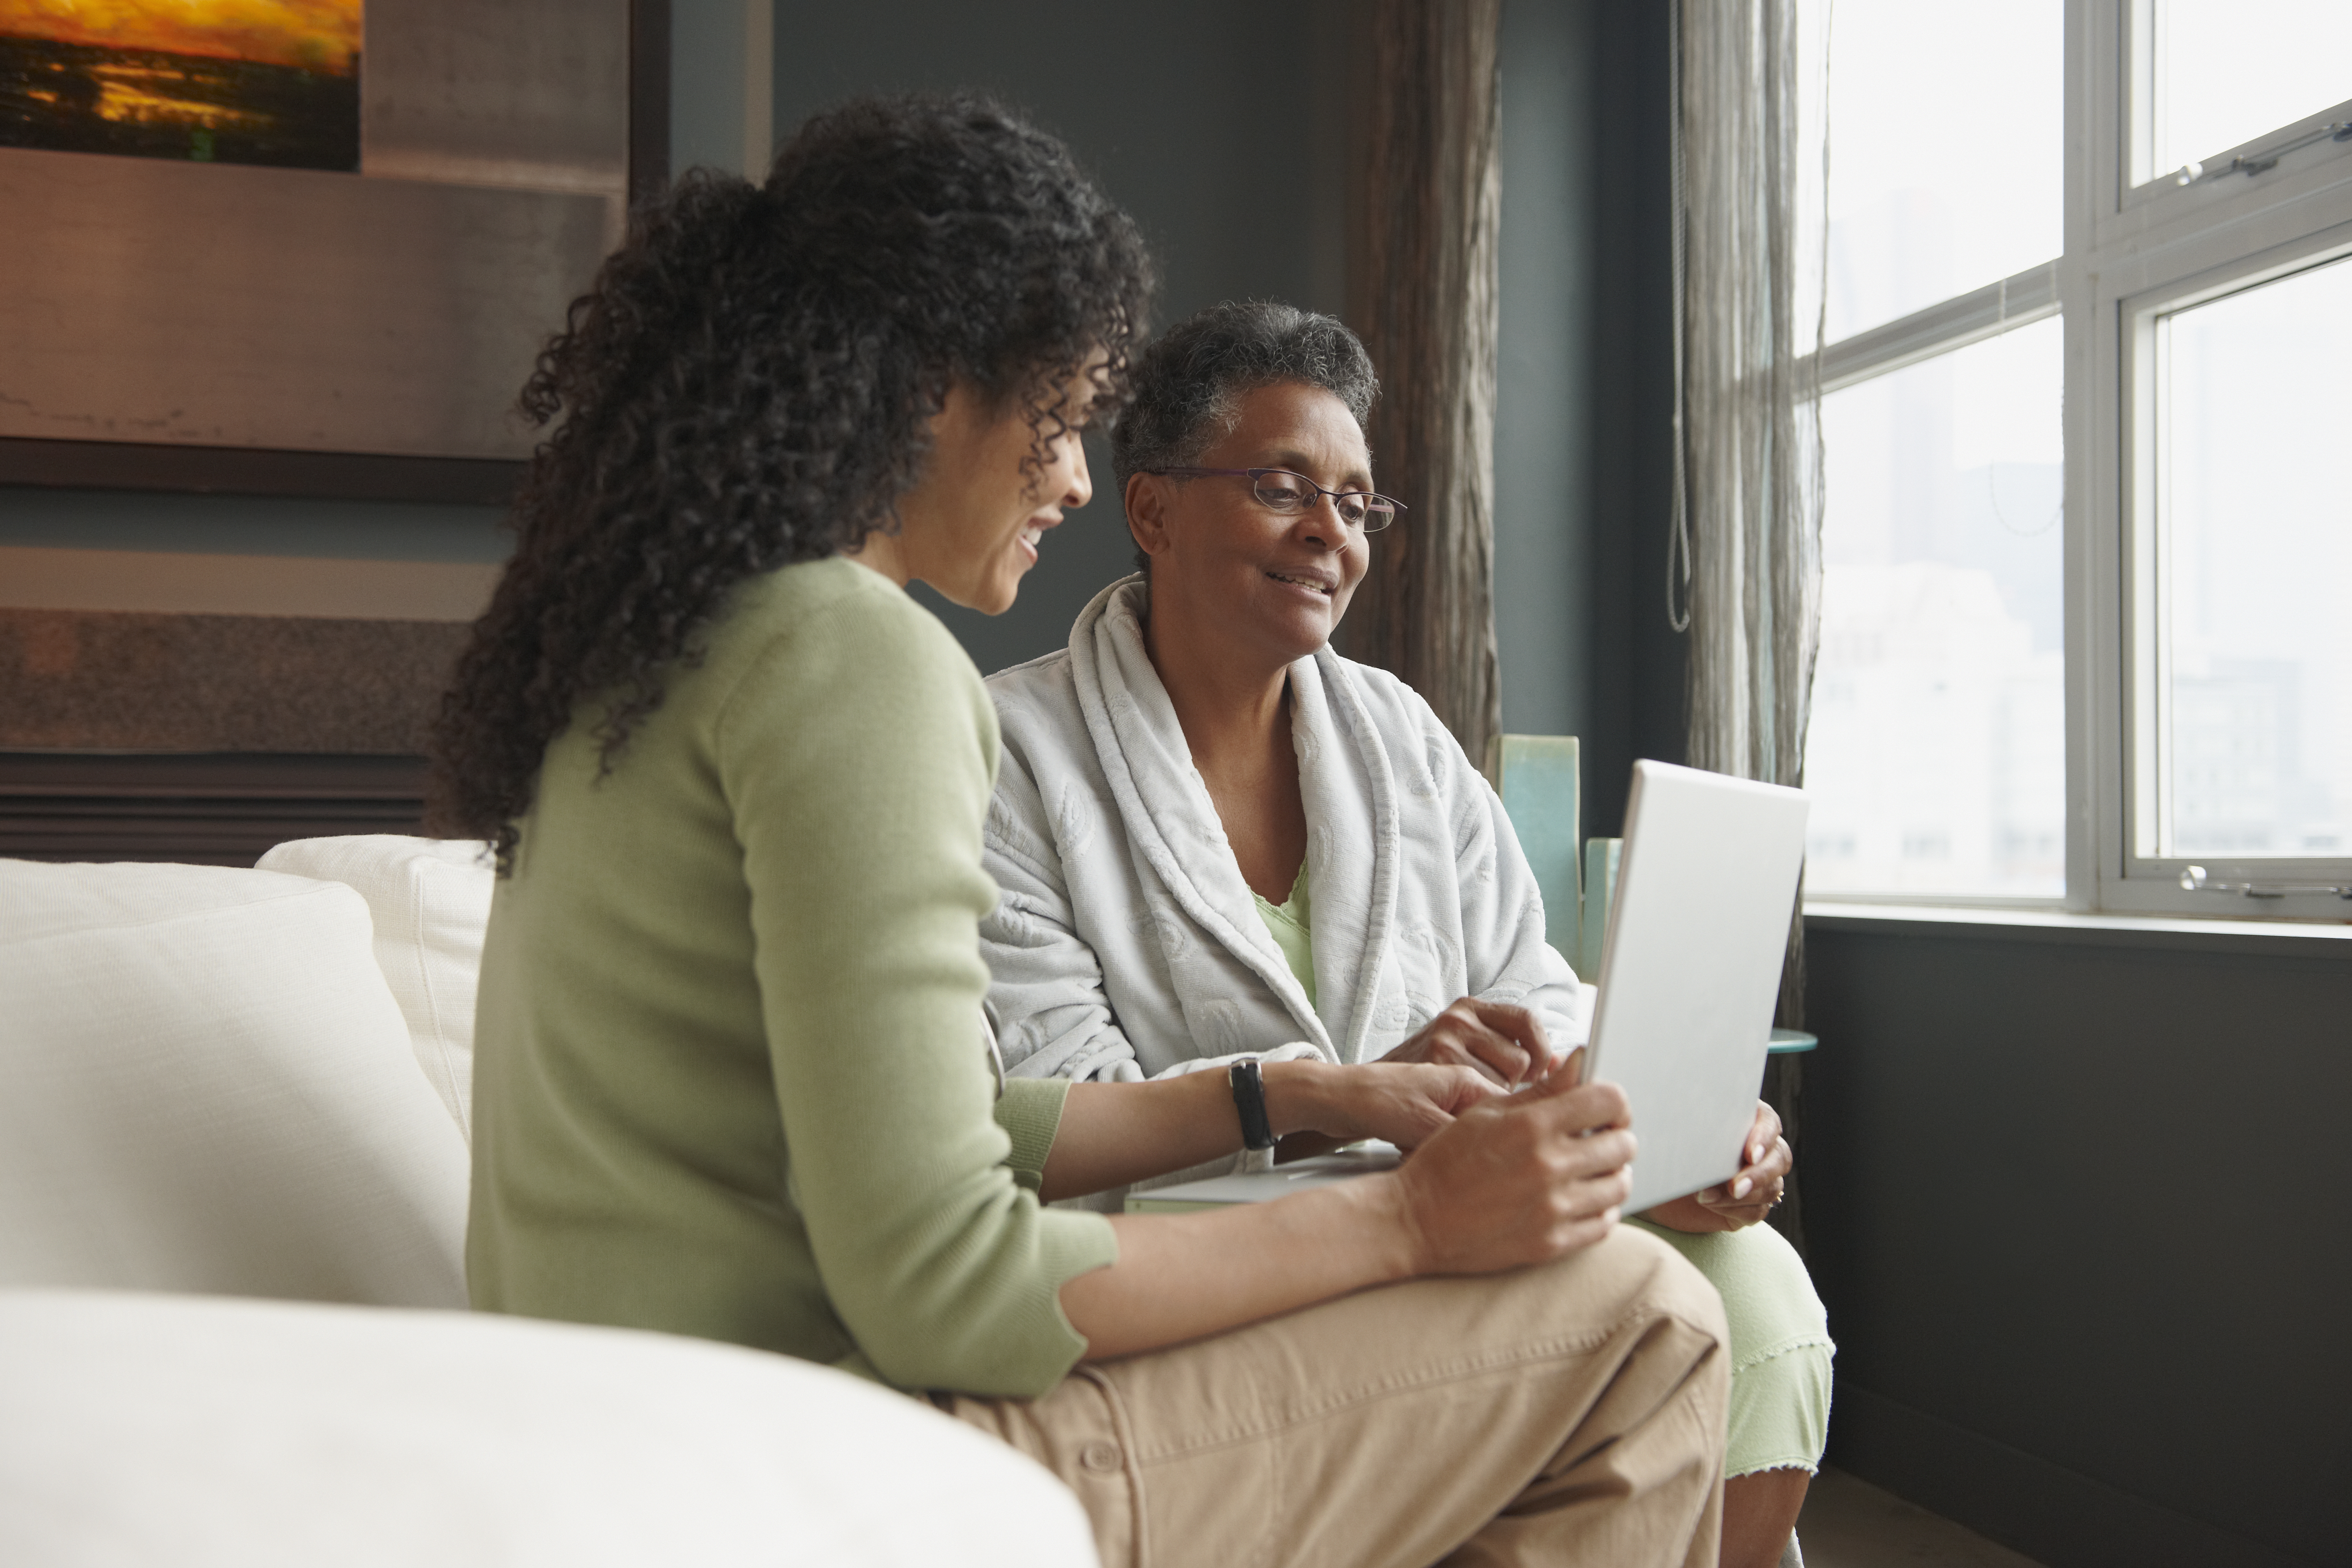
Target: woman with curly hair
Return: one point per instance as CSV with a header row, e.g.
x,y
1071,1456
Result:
x,y
731,1073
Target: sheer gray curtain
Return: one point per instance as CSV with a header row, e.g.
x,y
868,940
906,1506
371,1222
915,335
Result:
x,y
1745,579
1422,288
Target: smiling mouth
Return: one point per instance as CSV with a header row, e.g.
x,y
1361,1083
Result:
x,y
1032,533
1316,585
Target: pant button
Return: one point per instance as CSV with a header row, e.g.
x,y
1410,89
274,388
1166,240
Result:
x,y
1100,1455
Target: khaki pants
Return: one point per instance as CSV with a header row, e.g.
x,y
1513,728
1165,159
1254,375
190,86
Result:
x,y
1569,1413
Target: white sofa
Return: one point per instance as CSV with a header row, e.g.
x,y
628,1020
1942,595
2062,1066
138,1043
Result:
x,y
233,1169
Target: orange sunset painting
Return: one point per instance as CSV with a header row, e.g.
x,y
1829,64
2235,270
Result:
x,y
227,81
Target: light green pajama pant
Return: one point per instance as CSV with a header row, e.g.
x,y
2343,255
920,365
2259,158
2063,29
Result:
x,y
1780,1347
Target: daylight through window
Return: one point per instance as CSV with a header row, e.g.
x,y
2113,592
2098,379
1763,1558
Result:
x,y
2086,603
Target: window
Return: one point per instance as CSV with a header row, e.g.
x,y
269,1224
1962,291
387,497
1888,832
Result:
x,y
2250,529
2087,588
2223,74
1937,756
1937,750
1941,175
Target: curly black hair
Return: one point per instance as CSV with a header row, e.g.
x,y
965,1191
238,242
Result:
x,y
750,384
1188,386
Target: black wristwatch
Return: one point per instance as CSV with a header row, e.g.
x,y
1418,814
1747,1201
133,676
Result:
x,y
1249,1099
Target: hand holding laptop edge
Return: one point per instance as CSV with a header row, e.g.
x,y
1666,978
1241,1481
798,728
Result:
x,y
1747,1197
1521,1178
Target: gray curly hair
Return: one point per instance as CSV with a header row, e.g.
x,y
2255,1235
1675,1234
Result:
x,y
1188,386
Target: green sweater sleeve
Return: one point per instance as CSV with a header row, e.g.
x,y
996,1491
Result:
x,y
1030,1112
867,723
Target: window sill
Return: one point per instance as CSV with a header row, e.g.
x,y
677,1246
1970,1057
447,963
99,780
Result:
x,y
2291,938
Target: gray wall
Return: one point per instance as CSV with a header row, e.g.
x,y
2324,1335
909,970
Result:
x,y
1583,465
721,113
1543,412
1638,703
1212,122
1233,161
2072,1203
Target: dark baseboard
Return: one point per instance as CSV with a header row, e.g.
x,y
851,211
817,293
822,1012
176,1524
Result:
x,y
199,808
2054,1515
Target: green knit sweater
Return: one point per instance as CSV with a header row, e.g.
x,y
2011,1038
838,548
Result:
x,y
730,1079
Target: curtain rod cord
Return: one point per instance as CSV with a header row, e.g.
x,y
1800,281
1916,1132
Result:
x,y
1678,543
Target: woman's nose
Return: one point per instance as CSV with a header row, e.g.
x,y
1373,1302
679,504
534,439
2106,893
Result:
x,y
1082,484
1324,524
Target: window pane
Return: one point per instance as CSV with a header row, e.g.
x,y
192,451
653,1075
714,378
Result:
x,y
2255,546
1946,149
1937,758
2228,70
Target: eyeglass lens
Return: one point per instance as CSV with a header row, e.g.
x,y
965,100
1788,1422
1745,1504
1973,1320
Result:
x,y
1284,491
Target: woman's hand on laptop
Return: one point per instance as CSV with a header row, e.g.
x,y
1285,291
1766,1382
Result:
x,y
1751,1194
1405,1103
1520,1179
1504,1042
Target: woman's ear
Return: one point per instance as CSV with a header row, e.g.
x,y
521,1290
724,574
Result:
x,y
1147,513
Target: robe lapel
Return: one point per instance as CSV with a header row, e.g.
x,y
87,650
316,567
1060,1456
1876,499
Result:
x,y
1170,819
1352,850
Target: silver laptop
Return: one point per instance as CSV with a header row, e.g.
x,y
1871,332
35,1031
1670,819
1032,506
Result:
x,y
1691,968
1689,974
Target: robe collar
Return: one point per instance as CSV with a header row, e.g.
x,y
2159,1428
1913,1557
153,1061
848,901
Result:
x,y
1176,837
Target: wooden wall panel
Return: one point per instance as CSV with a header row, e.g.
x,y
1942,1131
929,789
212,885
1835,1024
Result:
x,y
84,680
207,739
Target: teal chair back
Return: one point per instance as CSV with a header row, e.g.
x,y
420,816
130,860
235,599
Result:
x,y
1601,857
1537,776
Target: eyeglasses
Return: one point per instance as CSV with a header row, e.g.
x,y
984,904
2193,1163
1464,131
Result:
x,y
1280,491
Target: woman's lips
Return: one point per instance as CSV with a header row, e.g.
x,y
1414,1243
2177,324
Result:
x,y
1031,532
1314,585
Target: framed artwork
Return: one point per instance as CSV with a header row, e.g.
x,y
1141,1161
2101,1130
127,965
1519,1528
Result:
x,y
280,247
246,81
305,246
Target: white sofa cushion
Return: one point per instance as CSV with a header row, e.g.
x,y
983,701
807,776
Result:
x,y
430,900
204,1085
210,1434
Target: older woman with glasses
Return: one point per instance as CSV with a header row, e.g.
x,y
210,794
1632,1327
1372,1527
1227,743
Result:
x,y
1219,842
1215,834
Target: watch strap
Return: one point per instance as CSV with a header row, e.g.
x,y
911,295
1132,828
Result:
x,y
1249,1099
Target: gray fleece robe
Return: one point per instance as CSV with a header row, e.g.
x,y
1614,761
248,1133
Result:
x,y
1125,943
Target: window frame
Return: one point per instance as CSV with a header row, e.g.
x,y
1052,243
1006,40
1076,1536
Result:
x,y
2135,249
2135,253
